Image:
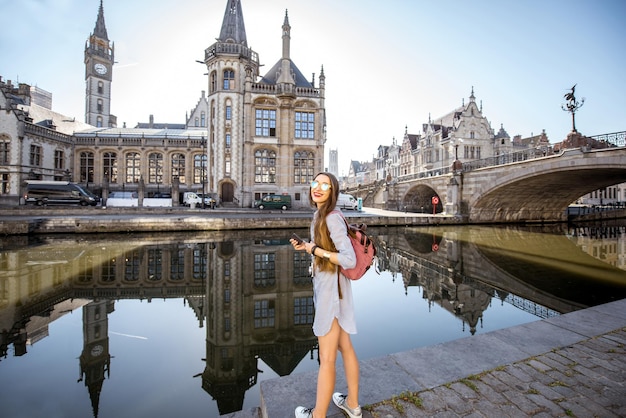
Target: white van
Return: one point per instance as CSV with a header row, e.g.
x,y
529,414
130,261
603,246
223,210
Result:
x,y
191,199
346,201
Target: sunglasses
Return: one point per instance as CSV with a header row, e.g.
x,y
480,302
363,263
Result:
x,y
324,186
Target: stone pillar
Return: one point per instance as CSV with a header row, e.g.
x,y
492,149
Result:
x,y
105,191
453,195
141,192
175,191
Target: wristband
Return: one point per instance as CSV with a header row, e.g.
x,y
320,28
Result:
x,y
313,250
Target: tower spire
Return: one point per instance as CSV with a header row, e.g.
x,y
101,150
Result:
x,y
285,72
100,30
233,29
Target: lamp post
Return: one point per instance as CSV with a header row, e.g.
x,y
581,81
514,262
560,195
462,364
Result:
x,y
204,158
456,165
203,162
572,105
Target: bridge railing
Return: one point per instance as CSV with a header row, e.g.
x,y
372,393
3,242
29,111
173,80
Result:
x,y
617,139
512,157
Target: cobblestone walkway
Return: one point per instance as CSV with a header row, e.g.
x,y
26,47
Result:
x,y
586,379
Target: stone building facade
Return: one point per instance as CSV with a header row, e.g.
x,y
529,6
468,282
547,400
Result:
x,y
252,135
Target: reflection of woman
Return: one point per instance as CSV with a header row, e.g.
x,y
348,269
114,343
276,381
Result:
x,y
332,295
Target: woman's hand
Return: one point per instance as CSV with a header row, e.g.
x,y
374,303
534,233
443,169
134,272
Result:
x,y
306,246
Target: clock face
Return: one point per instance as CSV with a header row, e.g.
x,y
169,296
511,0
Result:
x,y
96,350
100,68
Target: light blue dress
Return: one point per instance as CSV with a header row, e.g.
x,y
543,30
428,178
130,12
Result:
x,y
325,284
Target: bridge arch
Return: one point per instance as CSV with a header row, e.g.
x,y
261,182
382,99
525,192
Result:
x,y
542,189
419,199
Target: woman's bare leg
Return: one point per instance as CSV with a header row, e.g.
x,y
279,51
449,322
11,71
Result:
x,y
351,366
328,346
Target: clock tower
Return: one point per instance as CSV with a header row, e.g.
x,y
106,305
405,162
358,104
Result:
x,y
98,76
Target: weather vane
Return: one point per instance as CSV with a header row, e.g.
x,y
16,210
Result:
x,y
572,105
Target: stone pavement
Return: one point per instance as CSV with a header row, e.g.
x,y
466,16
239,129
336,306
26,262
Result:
x,y
573,365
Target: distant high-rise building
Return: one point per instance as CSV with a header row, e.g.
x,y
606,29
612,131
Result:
x,y
333,162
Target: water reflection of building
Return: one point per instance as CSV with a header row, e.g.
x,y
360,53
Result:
x,y
255,298
261,307
606,243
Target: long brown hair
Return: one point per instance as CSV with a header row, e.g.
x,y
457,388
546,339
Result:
x,y
321,235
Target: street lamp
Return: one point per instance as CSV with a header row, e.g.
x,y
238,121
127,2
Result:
x,y
456,165
203,161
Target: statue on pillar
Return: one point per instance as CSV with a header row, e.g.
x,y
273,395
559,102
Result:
x,y
572,105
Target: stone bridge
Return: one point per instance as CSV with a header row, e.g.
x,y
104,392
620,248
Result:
x,y
537,190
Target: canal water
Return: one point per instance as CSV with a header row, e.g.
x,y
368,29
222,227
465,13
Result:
x,y
189,324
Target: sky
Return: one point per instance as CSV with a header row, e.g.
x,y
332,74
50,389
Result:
x,y
389,65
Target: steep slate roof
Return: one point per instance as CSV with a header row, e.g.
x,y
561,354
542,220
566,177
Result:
x,y
233,28
272,75
413,139
502,133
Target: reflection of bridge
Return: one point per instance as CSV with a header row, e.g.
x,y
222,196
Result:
x,y
458,268
533,190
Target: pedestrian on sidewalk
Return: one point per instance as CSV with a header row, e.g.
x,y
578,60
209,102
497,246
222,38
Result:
x,y
332,295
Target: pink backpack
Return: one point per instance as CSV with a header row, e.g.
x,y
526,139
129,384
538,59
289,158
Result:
x,y
364,249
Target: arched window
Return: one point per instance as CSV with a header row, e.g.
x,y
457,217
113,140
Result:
x,y
199,168
5,150
303,162
178,167
213,82
229,80
100,87
109,167
133,167
229,112
86,167
265,166
155,168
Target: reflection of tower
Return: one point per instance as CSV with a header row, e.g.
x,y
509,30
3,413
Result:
x,y
228,371
95,358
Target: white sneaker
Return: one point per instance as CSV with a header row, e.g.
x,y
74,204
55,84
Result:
x,y
340,400
302,412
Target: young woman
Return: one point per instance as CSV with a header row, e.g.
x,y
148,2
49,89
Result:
x,y
332,296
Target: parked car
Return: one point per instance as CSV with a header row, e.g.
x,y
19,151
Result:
x,y
274,201
41,193
346,201
209,200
